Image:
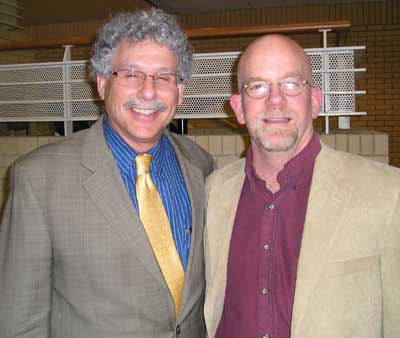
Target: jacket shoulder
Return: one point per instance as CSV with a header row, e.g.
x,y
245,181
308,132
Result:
x,y
225,173
56,154
362,171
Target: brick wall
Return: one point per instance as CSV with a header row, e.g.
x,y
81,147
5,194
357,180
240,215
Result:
x,y
19,56
224,149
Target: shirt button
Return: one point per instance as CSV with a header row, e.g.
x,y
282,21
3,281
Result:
x,y
265,336
264,291
266,247
271,206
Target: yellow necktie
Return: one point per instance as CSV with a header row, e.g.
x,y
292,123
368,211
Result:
x,y
157,227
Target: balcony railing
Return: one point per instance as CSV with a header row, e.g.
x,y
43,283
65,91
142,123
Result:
x,y
62,91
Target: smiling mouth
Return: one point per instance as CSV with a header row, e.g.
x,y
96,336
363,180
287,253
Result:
x,y
277,119
144,111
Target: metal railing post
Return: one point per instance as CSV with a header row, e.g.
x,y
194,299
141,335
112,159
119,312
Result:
x,y
68,124
325,75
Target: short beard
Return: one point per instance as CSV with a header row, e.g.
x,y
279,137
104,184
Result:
x,y
275,139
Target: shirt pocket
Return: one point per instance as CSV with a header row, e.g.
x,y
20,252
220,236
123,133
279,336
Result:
x,y
352,266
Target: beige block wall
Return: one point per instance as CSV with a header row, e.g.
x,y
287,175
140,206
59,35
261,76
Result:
x,y
371,144
224,148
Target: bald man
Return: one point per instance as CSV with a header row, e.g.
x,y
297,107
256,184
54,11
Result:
x,y
301,240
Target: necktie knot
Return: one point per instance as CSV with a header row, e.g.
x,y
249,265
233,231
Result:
x,y
143,163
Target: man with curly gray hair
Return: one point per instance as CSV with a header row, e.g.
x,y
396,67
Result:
x,y
102,233
153,24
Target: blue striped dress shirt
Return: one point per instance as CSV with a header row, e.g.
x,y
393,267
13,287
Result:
x,y
167,177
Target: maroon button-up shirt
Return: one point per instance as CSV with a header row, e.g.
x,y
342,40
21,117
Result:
x,y
264,250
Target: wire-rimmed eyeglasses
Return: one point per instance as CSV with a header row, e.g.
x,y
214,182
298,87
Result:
x,y
290,86
136,78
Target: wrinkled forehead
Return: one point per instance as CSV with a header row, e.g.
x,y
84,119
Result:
x,y
273,59
144,53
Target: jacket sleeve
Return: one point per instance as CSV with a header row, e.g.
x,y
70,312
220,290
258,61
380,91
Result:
x,y
390,267
25,262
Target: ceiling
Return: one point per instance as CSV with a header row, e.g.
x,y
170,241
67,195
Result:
x,y
39,12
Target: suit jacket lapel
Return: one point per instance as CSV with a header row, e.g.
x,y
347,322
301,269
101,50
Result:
x,y
219,225
326,203
108,192
194,181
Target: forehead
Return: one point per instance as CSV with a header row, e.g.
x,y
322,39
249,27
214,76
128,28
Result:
x,y
146,54
272,61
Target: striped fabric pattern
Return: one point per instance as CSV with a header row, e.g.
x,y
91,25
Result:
x,y
167,177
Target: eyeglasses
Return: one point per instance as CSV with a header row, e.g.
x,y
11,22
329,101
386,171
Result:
x,y
290,86
136,78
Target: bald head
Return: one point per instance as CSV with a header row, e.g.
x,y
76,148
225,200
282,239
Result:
x,y
271,51
279,101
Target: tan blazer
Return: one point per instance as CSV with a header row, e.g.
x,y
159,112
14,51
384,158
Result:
x,y
74,257
348,278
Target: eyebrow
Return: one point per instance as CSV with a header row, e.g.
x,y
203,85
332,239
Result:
x,y
137,67
257,78
286,75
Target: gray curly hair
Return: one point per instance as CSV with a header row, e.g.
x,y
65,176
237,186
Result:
x,y
138,26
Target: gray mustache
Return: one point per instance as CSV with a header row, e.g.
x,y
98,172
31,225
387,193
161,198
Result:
x,y
156,105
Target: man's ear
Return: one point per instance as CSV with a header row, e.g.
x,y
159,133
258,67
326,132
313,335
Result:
x,y
236,104
101,85
181,87
316,100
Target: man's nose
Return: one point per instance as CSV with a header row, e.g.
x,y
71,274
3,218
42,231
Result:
x,y
275,95
148,89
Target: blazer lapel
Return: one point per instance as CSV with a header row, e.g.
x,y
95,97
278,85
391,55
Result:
x,y
219,225
108,192
326,202
194,181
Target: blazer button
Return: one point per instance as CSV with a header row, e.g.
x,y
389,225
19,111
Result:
x,y
178,330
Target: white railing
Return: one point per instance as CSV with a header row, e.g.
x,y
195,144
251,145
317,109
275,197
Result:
x,y
62,91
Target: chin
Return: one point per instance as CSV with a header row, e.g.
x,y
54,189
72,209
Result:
x,y
277,143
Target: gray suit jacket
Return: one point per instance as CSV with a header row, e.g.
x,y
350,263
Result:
x,y
74,257
348,278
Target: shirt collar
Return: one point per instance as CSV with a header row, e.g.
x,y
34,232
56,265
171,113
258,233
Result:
x,y
299,165
125,155
293,170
